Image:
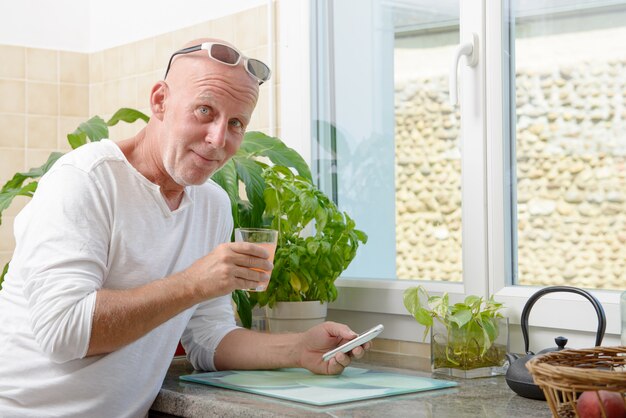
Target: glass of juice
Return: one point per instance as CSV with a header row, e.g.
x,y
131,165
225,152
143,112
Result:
x,y
262,236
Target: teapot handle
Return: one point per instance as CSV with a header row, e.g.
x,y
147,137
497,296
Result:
x,y
551,289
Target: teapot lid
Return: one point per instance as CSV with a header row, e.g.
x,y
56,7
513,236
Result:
x,y
560,345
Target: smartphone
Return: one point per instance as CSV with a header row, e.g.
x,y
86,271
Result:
x,y
359,340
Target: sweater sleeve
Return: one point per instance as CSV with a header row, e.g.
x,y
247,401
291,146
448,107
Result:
x,y
211,321
62,240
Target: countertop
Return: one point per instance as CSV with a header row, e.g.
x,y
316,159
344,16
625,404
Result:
x,y
482,397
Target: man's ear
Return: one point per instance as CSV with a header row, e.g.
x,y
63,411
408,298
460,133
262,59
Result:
x,y
158,95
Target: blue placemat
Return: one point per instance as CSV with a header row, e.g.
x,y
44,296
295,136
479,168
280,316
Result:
x,y
300,385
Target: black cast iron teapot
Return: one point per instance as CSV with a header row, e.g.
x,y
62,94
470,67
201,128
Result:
x,y
517,376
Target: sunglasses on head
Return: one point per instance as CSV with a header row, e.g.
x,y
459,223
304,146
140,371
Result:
x,y
230,56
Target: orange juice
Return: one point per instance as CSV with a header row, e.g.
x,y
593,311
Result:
x,y
271,249
264,237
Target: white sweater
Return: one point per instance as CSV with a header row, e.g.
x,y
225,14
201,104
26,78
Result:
x,y
95,222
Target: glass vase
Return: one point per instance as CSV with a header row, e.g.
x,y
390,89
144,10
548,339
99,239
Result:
x,y
623,309
473,350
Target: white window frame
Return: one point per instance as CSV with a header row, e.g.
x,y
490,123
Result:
x,y
361,303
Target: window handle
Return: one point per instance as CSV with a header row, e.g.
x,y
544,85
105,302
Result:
x,y
470,50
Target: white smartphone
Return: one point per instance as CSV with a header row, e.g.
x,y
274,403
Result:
x,y
357,341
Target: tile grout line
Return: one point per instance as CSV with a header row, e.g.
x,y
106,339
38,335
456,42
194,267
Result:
x,y
25,109
58,65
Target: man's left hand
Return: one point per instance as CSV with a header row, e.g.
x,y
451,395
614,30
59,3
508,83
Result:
x,y
325,337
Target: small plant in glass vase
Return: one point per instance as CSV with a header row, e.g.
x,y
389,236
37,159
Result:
x,y
468,339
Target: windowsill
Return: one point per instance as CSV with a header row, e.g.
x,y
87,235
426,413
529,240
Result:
x,y
491,394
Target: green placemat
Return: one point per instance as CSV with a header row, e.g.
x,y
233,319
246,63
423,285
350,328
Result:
x,y
300,385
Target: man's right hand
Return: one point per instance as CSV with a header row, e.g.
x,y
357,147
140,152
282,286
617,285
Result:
x,y
122,316
229,267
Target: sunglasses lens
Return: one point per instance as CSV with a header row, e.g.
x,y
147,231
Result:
x,y
224,53
259,69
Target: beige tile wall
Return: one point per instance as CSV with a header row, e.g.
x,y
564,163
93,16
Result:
x,y
39,90
45,94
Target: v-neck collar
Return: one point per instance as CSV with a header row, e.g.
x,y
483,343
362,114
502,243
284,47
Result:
x,y
155,189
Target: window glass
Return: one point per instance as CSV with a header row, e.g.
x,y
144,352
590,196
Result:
x,y
428,157
388,139
569,111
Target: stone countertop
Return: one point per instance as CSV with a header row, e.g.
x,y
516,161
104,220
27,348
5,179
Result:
x,y
484,397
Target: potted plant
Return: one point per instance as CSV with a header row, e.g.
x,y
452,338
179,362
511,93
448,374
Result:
x,y
95,129
316,241
468,339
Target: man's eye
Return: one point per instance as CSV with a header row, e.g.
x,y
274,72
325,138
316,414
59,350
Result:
x,y
236,123
204,110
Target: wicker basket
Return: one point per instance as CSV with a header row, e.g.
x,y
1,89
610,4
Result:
x,y
564,375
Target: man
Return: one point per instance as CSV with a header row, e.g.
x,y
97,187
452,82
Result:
x,y
124,250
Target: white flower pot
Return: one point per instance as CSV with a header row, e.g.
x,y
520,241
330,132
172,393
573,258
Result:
x,y
295,316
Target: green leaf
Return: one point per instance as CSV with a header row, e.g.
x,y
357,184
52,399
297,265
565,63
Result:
x,y
361,236
295,282
484,341
439,305
243,216
226,177
4,272
461,317
473,302
95,129
258,143
490,326
127,115
244,308
7,194
294,260
411,299
77,139
321,218
272,202
492,307
423,317
312,246
37,172
290,180
250,172
332,293
349,222
309,204
15,186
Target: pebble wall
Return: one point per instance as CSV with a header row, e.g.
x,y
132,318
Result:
x,y
570,177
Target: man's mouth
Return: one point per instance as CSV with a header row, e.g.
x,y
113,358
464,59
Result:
x,y
208,158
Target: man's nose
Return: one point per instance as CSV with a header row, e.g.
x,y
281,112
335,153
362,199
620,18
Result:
x,y
216,134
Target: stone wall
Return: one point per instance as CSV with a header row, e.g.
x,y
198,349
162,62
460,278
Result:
x,y
570,169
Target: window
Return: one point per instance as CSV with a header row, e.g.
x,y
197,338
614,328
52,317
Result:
x,y
570,142
475,198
